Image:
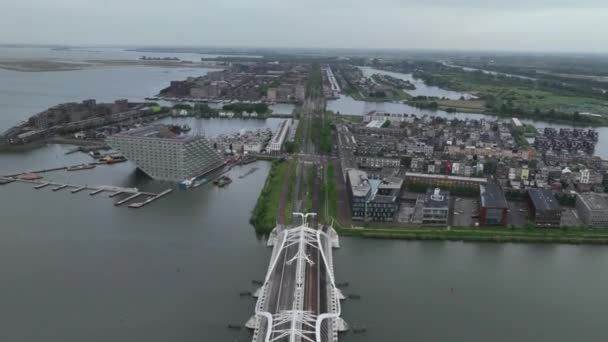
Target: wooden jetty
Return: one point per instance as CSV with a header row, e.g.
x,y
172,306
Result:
x,y
130,198
78,189
40,186
118,193
63,186
114,190
95,192
150,200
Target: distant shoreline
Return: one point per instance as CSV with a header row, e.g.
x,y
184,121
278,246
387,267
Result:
x,y
27,65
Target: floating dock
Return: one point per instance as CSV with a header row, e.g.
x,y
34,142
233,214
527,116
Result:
x,y
128,199
113,190
116,194
43,185
95,192
150,200
78,189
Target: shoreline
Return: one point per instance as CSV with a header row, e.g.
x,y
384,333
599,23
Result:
x,y
571,236
42,65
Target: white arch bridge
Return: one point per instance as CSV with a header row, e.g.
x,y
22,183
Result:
x,y
299,300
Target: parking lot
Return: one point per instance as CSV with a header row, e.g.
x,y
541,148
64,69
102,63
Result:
x,y
570,218
517,214
465,212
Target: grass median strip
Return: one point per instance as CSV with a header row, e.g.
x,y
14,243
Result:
x,y
264,215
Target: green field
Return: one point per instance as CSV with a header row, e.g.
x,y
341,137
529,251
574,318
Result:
x,y
541,100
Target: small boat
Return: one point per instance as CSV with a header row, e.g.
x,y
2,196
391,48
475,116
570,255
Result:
x,y
136,205
223,181
113,159
80,167
193,182
245,293
186,184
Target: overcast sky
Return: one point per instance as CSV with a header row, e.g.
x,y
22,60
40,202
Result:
x,y
536,25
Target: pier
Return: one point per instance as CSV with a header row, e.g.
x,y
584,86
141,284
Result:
x,y
128,199
150,200
40,186
63,186
118,193
96,191
114,190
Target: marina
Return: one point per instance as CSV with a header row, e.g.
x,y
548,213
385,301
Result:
x,y
115,191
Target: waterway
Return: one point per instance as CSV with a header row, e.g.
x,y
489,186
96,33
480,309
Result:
x,y
77,268
23,94
488,72
422,89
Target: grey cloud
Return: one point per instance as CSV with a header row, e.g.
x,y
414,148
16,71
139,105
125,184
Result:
x,y
462,24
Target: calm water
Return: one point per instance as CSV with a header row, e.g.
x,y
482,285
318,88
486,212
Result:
x,y
23,94
76,268
422,89
80,54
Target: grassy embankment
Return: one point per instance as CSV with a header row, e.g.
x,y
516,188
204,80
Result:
x,y
528,235
264,215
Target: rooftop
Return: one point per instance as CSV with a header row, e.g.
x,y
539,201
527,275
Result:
x,y
594,201
156,131
492,196
436,198
359,182
543,199
391,183
455,178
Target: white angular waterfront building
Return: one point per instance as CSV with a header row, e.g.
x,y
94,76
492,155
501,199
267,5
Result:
x,y
278,138
165,155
